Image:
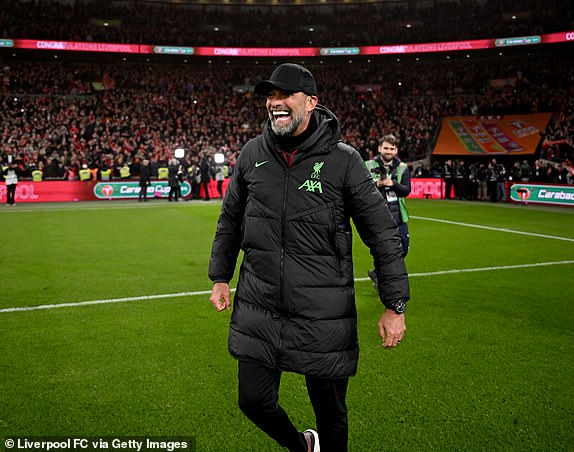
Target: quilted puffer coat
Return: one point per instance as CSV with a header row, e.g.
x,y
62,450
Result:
x,y
294,307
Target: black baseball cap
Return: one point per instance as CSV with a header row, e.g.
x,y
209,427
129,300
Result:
x,y
289,77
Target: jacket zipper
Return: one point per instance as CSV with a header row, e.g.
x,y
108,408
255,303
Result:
x,y
288,163
283,226
281,261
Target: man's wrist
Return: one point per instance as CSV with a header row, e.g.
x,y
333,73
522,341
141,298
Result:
x,y
398,306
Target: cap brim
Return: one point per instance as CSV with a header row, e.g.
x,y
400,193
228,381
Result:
x,y
265,87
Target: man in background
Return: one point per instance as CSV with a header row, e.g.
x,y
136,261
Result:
x,y
393,180
447,173
145,179
10,172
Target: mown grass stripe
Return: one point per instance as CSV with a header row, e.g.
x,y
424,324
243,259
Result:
x,y
492,228
208,292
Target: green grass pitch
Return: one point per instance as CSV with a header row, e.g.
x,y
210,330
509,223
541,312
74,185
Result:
x,y
486,364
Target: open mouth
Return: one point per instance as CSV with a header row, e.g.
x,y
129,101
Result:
x,y
281,115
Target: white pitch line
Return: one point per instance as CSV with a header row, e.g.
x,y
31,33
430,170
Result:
x,y
492,228
208,292
482,269
108,301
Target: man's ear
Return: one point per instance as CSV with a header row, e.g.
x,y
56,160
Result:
x,y
312,102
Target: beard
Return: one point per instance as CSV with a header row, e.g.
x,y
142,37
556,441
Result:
x,y
289,128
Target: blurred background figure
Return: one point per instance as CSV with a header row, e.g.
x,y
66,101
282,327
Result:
x,y
205,170
11,177
219,177
145,179
173,179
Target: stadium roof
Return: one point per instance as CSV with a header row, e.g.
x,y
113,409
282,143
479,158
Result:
x,y
275,2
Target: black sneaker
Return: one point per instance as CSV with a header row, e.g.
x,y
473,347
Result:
x,y
312,439
373,275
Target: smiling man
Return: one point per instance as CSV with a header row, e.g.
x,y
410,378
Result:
x,y
289,207
289,112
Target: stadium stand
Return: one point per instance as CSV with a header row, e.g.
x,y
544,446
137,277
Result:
x,y
332,23
60,114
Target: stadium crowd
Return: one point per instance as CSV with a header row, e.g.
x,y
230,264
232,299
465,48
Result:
x,y
342,24
58,116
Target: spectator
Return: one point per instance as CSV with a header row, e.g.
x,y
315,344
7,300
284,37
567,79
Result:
x,y
205,170
145,179
448,176
10,173
173,180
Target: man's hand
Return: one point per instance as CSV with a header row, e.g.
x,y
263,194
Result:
x,y
220,296
392,328
385,182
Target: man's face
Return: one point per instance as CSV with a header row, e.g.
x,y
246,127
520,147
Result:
x,y
388,151
289,113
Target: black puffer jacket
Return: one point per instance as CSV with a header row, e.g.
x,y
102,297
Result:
x,y
294,308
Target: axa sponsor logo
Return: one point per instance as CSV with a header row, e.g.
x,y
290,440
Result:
x,y
314,183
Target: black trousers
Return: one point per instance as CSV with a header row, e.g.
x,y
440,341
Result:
x,y
259,401
143,191
173,192
206,189
10,193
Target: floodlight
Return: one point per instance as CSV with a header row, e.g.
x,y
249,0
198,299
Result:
x,y
179,153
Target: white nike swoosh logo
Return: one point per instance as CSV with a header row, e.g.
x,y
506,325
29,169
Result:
x,y
258,164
